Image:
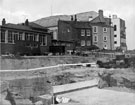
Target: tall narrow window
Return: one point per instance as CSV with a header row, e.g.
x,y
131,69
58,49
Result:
x,y
95,38
2,36
115,28
20,36
105,38
43,40
104,29
88,32
95,29
10,37
82,32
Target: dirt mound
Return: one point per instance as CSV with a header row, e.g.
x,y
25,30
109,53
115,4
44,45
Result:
x,y
117,78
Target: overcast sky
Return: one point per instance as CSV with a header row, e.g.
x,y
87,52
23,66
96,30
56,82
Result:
x,y
16,11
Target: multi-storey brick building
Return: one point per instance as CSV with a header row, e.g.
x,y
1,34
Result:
x,y
119,33
74,34
26,38
103,32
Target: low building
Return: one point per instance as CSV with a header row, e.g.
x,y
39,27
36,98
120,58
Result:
x,y
119,33
25,39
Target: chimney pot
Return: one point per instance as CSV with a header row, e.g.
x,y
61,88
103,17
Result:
x,y
3,21
114,16
75,18
26,22
72,18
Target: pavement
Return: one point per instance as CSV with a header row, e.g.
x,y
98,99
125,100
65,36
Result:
x,y
61,89
95,96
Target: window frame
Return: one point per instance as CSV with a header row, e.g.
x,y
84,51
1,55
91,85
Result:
x,y
10,37
104,29
95,31
83,43
2,37
82,32
88,33
96,38
105,40
89,43
43,40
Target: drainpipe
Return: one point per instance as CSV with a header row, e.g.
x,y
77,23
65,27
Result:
x,y
110,33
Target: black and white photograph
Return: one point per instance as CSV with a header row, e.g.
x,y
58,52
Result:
x,y
67,52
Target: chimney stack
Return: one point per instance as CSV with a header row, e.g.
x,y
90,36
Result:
x,y
100,13
72,18
3,21
26,22
114,16
75,18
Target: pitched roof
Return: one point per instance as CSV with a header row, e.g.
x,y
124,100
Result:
x,y
78,24
53,20
24,27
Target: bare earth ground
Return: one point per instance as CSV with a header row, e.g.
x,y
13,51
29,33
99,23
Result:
x,y
92,96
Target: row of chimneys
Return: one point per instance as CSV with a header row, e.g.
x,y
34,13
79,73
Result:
x,y
74,18
26,22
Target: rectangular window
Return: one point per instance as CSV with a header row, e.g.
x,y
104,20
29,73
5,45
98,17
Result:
x,y
20,36
88,43
10,37
105,39
27,36
105,46
104,29
115,28
115,42
88,32
43,40
31,37
115,35
83,43
2,37
95,38
82,32
15,35
95,29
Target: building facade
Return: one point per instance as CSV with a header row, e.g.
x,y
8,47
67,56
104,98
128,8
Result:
x,y
119,33
75,34
103,32
24,39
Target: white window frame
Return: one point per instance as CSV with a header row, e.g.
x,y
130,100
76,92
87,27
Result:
x,y
105,46
82,32
88,43
88,32
95,27
104,29
105,40
96,39
82,42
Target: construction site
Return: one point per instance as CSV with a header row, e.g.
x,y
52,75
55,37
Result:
x,y
67,80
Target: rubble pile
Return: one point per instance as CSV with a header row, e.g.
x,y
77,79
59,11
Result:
x,y
63,78
116,79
